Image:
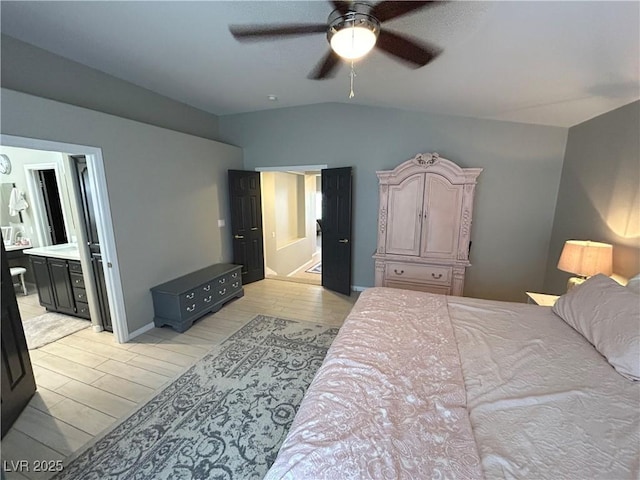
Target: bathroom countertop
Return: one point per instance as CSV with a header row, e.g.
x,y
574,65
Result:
x,y
66,251
13,248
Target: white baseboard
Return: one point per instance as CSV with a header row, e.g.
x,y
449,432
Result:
x,y
357,288
140,331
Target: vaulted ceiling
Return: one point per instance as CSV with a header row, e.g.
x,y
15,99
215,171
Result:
x,y
551,63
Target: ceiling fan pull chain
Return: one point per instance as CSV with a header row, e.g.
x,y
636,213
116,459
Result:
x,y
352,75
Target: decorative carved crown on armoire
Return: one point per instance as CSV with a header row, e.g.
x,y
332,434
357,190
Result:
x,y
424,225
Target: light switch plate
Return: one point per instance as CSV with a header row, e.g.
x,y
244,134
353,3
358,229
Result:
x,y
221,223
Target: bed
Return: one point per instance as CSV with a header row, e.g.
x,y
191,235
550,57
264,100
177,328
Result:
x,y
426,386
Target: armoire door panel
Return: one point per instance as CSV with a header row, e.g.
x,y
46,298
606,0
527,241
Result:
x,y
441,218
406,209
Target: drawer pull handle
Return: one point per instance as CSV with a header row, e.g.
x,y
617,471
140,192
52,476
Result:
x,y
223,291
235,285
191,295
207,288
208,299
191,308
436,276
398,272
344,240
222,280
238,237
234,275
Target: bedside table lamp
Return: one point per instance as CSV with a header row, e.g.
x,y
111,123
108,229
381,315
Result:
x,y
585,258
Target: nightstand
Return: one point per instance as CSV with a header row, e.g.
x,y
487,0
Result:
x,y
542,299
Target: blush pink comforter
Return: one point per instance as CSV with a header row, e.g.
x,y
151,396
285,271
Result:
x,y
389,400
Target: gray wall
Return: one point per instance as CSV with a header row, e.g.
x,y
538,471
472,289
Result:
x,y
29,69
516,193
599,195
166,190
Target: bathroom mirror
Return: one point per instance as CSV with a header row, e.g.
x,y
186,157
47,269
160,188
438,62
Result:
x,y
7,235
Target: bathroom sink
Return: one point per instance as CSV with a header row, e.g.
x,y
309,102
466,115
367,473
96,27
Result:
x,y
64,247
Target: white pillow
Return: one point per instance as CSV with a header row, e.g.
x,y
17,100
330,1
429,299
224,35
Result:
x,y
634,284
608,316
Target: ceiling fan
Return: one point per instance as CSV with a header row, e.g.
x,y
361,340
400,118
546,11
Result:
x,y
353,29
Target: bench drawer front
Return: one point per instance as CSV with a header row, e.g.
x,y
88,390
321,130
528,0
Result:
x,y
228,285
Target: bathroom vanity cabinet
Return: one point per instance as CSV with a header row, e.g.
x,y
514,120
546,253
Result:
x,y
60,285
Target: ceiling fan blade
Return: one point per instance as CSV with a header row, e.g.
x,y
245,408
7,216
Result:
x,y
260,32
326,68
412,52
391,9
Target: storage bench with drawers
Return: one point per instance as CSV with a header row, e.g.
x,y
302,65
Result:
x,y
180,302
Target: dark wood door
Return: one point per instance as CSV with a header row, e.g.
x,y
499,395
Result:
x,y
91,230
40,269
63,291
18,382
53,206
336,229
246,224
98,268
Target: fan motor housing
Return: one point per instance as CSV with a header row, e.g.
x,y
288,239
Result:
x,y
357,16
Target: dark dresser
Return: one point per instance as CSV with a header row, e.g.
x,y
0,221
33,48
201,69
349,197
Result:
x,y
180,302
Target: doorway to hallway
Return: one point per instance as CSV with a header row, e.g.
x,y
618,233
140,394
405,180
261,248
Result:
x,y
292,210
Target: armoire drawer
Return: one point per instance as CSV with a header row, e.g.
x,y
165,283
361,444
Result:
x,y
420,287
417,273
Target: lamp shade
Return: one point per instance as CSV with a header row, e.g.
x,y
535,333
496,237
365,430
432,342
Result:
x,y
353,42
586,258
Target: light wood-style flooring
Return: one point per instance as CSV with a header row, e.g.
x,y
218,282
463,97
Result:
x,y
29,305
87,382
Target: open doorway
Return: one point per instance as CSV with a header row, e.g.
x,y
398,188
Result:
x,y
79,293
291,207
43,218
251,208
54,282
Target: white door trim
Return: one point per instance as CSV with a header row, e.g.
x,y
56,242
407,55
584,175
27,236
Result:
x,y
97,178
294,168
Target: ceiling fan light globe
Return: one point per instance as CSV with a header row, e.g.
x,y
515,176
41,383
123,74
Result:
x,y
353,42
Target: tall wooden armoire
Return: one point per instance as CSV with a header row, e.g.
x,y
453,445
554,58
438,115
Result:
x,y
424,225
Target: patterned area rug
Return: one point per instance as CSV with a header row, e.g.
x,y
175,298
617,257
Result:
x,y
317,268
225,418
49,327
